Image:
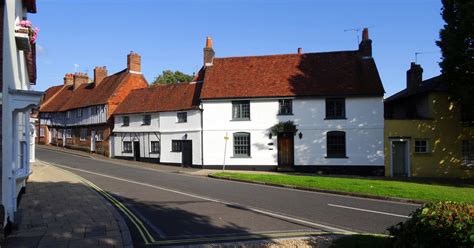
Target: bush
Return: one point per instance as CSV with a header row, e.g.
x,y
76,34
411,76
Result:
x,y
442,224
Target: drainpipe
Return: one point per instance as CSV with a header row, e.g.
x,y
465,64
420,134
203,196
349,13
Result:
x,y
202,138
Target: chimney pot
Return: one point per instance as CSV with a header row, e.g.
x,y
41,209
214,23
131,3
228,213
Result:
x,y
300,50
365,34
365,46
208,42
134,62
68,79
100,72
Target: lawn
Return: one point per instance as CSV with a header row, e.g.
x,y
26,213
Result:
x,y
424,191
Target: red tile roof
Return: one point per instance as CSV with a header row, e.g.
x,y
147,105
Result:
x,y
161,98
90,94
310,74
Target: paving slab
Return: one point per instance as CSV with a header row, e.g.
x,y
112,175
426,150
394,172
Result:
x,y
59,210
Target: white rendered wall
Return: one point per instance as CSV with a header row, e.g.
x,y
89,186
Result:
x,y
363,126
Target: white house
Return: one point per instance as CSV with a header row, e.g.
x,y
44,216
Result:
x,y
160,124
304,111
18,74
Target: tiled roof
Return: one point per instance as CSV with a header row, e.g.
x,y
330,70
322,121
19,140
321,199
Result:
x,y
50,92
310,74
432,84
89,94
161,98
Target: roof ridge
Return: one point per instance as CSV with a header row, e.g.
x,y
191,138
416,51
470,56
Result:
x,y
54,95
285,54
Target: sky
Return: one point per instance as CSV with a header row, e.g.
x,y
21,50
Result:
x,y
171,34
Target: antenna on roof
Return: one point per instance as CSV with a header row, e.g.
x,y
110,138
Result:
x,y
417,53
357,31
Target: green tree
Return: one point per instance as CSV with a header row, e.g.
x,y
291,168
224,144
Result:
x,y
170,77
457,47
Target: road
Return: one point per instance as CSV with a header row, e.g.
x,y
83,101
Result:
x,y
164,206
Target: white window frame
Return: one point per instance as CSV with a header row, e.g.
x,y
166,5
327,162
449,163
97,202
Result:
x,y
426,147
68,133
100,135
180,119
155,151
124,147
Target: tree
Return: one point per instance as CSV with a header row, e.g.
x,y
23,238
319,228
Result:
x,y
170,77
457,47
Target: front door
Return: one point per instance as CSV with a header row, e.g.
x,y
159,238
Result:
x,y
399,158
93,141
285,149
136,150
187,153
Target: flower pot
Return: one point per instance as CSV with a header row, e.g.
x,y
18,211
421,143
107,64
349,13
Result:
x,y
22,39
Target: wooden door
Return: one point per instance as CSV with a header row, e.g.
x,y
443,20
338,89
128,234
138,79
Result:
x,y
136,150
285,149
187,153
399,158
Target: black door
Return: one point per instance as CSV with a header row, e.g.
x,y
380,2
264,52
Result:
x,y
187,153
136,150
285,149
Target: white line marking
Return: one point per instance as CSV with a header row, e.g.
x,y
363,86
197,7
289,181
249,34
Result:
x,y
366,210
251,184
333,229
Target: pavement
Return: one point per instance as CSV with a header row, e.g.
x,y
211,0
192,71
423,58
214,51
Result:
x,y
178,208
60,210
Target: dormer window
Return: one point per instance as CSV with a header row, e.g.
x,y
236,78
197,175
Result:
x,y
125,121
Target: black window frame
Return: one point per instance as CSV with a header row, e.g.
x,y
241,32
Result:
x,y
285,107
240,110
129,145
335,105
125,123
241,150
336,146
155,144
182,117
419,148
467,152
146,121
176,146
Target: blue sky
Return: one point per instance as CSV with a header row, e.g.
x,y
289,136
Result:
x,y
171,34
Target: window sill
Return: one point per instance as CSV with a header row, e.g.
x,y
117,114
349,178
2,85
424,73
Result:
x,y
82,140
125,125
126,151
154,152
335,118
22,175
145,125
176,151
241,157
240,120
181,122
422,153
344,157
285,114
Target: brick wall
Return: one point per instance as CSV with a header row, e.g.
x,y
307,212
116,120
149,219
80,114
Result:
x,y
75,142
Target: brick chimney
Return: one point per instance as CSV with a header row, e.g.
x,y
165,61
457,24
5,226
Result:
x,y
300,50
414,76
365,46
80,78
69,79
100,72
134,63
208,52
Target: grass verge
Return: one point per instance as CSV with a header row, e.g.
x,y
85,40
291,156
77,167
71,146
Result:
x,y
358,241
420,191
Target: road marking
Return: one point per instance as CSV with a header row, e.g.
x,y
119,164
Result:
x,y
370,211
238,182
265,212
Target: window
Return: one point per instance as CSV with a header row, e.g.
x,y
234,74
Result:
x,y
79,112
125,121
146,120
468,152
286,107
241,145
41,131
100,135
421,146
83,134
127,146
335,108
155,147
60,134
182,117
68,133
336,144
68,114
176,146
241,110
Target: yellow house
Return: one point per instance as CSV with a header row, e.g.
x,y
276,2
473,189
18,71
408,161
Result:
x,y
426,134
